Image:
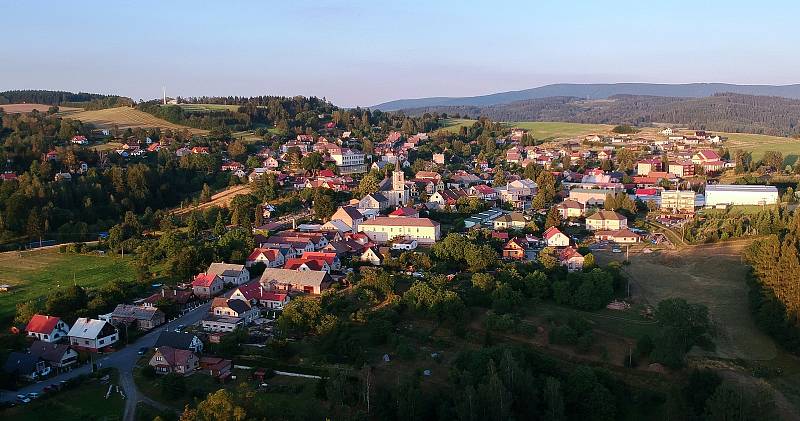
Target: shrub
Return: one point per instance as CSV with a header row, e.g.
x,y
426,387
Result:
x,y
563,335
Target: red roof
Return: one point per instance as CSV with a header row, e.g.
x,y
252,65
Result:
x,y
319,255
270,254
313,264
204,280
551,232
42,323
326,173
646,192
404,212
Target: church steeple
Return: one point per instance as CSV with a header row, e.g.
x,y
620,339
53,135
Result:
x,y
398,180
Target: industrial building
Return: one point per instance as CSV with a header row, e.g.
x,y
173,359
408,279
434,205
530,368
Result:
x,y
732,194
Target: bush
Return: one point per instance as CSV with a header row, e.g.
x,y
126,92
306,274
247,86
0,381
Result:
x,y
644,346
149,372
563,335
585,342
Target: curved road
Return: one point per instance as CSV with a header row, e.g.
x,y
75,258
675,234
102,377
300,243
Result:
x,y
124,361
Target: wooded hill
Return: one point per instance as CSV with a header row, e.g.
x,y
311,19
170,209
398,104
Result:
x,y
722,112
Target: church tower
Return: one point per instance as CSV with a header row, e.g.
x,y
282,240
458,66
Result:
x,y
399,195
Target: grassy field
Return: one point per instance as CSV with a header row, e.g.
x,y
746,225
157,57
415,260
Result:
x,y
713,275
36,273
125,117
85,402
545,130
758,144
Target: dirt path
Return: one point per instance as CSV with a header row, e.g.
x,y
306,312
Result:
x,y
221,199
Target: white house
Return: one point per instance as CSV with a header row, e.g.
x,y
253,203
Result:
x,y
230,273
47,328
92,334
555,238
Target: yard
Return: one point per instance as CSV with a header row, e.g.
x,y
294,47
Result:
x,y
87,401
34,274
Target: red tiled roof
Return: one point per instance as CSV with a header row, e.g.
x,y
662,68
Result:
x,y
270,254
203,280
42,323
550,233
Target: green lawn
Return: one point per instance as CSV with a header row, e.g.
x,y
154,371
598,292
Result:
x,y
759,143
623,323
84,402
544,130
34,274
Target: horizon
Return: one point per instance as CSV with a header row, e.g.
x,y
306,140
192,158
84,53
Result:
x,y
361,54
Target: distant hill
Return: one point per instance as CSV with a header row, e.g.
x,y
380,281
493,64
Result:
x,y
597,91
722,112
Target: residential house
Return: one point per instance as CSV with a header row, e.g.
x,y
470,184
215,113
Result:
x,y
24,365
372,256
606,220
182,299
571,258
622,236
591,197
404,244
483,192
511,221
313,282
555,238
255,293
207,285
306,264
222,324
384,229
518,193
349,215
234,307
570,208
271,258
230,273
170,360
179,340
143,317
47,328
515,249
58,356
92,335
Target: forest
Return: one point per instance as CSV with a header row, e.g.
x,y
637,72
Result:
x,y
722,112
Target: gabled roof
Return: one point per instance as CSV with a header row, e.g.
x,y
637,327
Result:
x,y
48,351
86,328
179,340
606,215
204,280
551,232
225,269
175,357
294,277
400,222
42,324
270,254
20,362
313,264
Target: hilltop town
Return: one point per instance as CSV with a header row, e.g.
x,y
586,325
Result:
x,y
359,259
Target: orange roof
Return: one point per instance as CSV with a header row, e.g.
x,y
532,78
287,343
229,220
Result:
x,y
204,280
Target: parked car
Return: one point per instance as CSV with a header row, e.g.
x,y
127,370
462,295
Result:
x,y
33,395
616,250
23,399
143,350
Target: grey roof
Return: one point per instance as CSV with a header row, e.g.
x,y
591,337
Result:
x,y
19,362
178,340
239,306
48,351
741,188
294,277
225,269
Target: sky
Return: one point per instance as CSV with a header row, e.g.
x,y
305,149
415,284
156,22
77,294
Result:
x,y
367,52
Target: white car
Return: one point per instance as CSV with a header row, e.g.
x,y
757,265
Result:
x,y
33,395
23,399
616,250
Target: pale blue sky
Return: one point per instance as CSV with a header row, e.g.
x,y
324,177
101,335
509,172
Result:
x,y
366,52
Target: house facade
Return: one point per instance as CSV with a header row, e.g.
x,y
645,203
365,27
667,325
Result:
x,y
47,328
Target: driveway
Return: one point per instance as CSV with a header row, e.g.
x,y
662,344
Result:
x,y
124,361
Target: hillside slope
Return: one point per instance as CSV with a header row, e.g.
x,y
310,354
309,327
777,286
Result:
x,y
596,91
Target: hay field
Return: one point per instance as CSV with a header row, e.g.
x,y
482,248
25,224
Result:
x,y
198,108
27,108
125,117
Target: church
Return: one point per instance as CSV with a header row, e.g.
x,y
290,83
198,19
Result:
x,y
396,191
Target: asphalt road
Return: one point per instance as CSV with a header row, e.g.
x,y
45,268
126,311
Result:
x,y
124,361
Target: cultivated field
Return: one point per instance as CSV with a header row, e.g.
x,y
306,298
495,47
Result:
x,y
36,273
759,143
125,117
713,275
26,108
544,130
